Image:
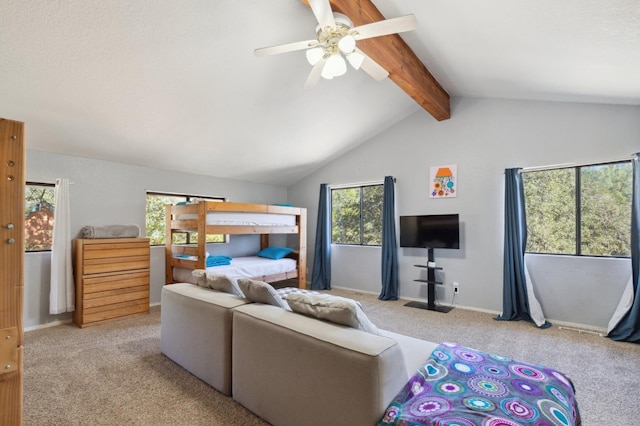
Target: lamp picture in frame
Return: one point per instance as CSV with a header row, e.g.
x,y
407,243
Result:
x,y
443,181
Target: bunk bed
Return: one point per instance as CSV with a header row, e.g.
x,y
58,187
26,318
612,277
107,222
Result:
x,y
222,218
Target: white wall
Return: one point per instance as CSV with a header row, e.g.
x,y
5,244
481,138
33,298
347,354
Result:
x,y
483,137
106,193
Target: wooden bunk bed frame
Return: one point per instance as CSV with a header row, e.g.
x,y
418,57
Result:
x,y
199,225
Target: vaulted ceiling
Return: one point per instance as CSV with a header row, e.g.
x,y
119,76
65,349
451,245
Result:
x,y
175,84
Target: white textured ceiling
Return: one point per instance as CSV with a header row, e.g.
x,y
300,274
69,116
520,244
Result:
x,y
174,84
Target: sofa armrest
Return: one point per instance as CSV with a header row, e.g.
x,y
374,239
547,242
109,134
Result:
x,y
415,351
195,331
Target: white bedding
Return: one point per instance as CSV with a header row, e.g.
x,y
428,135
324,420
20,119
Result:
x,y
242,267
245,219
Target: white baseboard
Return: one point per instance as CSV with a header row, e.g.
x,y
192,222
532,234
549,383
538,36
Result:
x,y
417,299
55,323
581,328
47,325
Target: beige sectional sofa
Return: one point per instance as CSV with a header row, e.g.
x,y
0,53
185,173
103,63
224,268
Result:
x,y
287,368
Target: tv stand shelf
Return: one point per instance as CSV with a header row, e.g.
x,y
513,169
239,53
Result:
x,y
431,287
429,281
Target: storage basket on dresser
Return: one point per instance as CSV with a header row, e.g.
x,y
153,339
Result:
x,y
112,279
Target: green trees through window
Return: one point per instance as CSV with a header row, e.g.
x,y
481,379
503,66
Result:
x,y
38,216
156,219
156,216
356,215
580,210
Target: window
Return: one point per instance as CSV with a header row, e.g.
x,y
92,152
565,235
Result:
x,y
583,210
156,219
38,216
356,215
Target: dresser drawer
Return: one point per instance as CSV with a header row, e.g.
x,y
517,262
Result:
x,y
108,250
113,297
115,264
113,281
108,312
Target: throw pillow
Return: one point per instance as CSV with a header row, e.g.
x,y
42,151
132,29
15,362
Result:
x,y
339,310
274,252
261,292
200,277
224,284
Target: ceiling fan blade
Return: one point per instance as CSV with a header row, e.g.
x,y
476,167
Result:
x,y
372,68
315,74
284,48
388,26
322,10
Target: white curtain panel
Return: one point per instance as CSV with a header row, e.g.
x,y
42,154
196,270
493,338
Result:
x,y
626,301
535,310
62,294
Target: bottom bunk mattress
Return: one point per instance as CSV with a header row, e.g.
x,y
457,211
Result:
x,y
242,267
463,386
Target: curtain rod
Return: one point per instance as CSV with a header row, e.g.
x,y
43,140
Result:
x,y
350,185
182,194
566,165
42,183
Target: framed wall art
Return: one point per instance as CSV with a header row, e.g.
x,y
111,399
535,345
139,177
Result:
x,y
443,181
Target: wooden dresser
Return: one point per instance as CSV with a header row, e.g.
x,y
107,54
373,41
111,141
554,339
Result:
x,y
112,279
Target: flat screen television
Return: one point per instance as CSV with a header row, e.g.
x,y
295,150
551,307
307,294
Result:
x,y
430,231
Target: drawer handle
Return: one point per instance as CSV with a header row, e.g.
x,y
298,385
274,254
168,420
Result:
x,y
9,225
10,241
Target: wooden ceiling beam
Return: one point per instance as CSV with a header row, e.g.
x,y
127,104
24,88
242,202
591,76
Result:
x,y
394,55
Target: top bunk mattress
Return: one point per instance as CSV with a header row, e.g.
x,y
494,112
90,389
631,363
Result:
x,y
244,219
242,267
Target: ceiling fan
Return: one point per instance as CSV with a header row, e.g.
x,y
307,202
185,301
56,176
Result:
x,y
335,41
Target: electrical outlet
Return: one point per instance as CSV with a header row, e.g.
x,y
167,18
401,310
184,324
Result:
x,y
455,287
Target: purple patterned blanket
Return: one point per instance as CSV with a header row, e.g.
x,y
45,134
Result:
x,y
459,386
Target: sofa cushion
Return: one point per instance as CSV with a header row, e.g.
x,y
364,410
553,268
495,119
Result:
x,y
224,283
335,309
261,292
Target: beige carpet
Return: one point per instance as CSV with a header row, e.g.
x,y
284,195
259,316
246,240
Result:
x,y
114,374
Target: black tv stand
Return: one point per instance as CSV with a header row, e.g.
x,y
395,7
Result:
x,y
431,287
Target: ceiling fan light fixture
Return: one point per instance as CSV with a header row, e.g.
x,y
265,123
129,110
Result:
x,y
314,55
355,59
326,72
347,44
335,67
